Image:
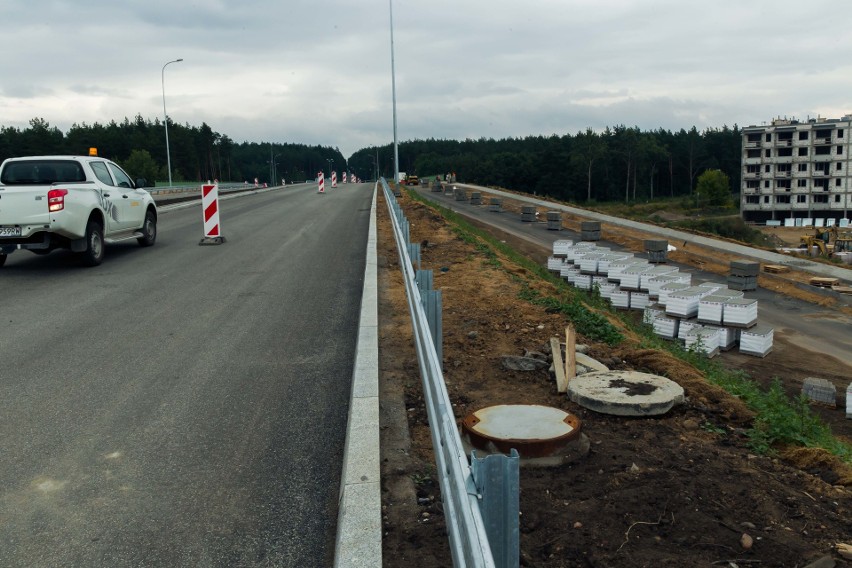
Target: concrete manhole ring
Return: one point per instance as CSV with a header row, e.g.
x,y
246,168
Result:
x,y
625,393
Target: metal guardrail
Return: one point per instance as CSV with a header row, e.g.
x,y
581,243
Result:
x,y
223,187
465,494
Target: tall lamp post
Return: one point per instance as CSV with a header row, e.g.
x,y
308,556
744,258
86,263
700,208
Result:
x,y
393,91
330,166
166,117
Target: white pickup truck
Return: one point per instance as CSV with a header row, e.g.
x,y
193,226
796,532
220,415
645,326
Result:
x,y
79,203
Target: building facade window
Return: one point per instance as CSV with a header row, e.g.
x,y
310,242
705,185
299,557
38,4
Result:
x,y
803,135
802,183
753,199
768,137
801,199
768,153
803,151
782,199
820,198
803,167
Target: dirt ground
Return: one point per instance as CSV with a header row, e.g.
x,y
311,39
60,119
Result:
x,y
678,490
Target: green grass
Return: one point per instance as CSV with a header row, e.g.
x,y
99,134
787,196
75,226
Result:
x,y
780,420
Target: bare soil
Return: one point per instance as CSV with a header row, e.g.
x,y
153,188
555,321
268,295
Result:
x,y
678,490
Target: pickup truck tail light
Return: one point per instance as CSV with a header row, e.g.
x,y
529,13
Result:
x,y
56,199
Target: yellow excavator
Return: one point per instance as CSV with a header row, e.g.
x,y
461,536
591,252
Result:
x,y
821,239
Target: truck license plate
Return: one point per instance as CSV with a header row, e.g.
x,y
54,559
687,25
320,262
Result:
x,y
10,231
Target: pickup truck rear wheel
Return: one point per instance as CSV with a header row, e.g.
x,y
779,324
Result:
x,y
94,253
149,230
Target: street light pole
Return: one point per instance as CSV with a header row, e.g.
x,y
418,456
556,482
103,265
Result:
x,y
166,117
393,91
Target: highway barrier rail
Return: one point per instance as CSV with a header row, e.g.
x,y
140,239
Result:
x,y
480,502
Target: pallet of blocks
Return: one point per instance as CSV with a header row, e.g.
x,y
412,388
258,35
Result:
x,y
820,390
757,340
704,340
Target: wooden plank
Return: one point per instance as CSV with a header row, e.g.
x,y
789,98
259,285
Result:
x,y
775,268
824,282
556,350
570,353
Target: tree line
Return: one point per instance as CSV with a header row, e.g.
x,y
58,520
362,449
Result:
x,y
620,163
197,153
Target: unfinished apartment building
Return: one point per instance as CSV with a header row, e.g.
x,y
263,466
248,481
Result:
x,y
797,172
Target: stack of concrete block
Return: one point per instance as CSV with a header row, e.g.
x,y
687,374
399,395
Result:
x,y
616,267
590,230
654,284
743,275
711,308
528,213
704,340
666,326
652,312
475,198
657,250
561,246
603,263
554,263
653,272
687,325
495,205
820,390
460,194
620,298
554,221
631,275
639,300
589,262
757,340
740,312
667,289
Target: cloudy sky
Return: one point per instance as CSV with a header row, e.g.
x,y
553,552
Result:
x,y
319,71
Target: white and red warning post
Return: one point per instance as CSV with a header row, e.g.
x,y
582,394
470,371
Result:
x,y
321,182
210,210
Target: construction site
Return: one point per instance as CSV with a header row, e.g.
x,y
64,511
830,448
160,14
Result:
x,y
696,482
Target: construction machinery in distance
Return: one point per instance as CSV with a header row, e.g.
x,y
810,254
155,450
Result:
x,y
828,240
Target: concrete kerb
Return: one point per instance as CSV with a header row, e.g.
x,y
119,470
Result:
x,y
359,520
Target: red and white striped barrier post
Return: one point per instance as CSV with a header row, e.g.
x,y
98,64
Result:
x,y
210,210
344,177
333,179
321,182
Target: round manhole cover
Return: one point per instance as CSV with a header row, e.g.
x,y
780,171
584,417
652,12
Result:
x,y
532,430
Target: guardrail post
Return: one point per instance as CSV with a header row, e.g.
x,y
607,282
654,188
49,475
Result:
x,y
432,305
414,254
497,479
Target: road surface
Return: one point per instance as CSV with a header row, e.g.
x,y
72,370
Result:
x,y
184,405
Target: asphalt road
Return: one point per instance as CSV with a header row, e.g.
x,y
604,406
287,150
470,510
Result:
x,y
184,405
816,328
